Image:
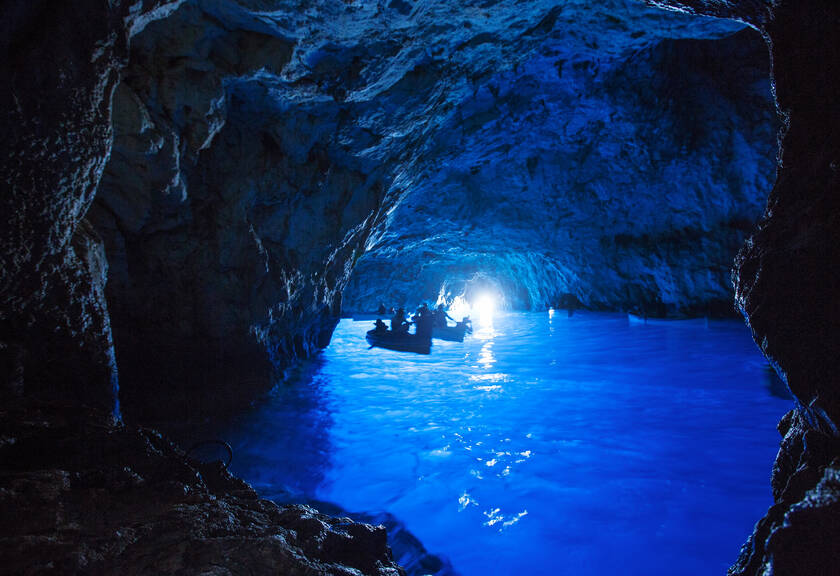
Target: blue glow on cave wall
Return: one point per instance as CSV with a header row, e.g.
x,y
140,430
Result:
x,y
619,170
232,173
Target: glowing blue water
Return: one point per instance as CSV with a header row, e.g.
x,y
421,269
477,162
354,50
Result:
x,y
583,445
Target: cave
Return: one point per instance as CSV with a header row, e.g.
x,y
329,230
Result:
x,y
200,194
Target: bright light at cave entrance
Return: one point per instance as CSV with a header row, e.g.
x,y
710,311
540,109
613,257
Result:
x,y
484,307
459,308
481,309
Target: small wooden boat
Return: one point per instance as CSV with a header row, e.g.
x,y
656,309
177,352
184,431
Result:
x,y
402,342
451,333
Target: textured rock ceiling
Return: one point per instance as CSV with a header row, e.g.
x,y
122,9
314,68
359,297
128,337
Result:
x,y
621,158
258,147
611,151
624,180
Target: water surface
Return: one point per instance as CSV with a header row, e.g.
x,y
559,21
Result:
x,y
541,445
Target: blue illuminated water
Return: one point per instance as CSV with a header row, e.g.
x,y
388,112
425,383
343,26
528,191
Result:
x,y
542,445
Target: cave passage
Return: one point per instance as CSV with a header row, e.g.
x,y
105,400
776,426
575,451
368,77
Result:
x,y
542,444
198,190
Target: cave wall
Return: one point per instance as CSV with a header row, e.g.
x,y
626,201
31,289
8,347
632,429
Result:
x,y
60,65
80,492
625,180
62,62
229,217
258,145
787,282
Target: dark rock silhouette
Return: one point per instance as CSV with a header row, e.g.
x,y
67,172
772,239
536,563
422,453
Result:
x,y
82,497
60,67
78,493
254,158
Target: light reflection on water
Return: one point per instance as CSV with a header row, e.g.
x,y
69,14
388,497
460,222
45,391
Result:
x,y
541,445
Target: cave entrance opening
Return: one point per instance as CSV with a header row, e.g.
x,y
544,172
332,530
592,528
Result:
x,y
478,296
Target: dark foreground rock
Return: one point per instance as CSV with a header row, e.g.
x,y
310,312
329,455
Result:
x,y
801,532
78,496
59,65
407,549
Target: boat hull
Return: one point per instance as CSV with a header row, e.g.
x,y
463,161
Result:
x,y
399,342
450,333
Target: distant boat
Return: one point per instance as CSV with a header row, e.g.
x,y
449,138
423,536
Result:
x,y
452,333
636,319
402,342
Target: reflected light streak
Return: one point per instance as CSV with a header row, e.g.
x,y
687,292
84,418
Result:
x,y
485,357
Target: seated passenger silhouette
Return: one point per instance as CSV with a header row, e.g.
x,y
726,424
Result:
x,y
441,316
424,322
398,322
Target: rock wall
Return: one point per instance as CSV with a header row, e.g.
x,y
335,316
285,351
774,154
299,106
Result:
x,y
786,282
352,126
78,497
79,494
626,180
60,66
228,222
258,145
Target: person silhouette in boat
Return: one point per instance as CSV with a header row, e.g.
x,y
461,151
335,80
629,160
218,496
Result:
x,y
422,310
424,322
398,322
380,326
441,316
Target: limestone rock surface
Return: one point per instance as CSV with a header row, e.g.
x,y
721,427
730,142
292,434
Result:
x,y
259,145
625,180
79,497
59,65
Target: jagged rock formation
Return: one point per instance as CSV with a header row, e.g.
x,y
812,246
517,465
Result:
x,y
625,179
257,145
787,282
226,246
72,481
347,105
59,68
79,497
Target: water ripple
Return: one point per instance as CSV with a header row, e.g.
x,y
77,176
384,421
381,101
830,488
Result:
x,y
621,448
